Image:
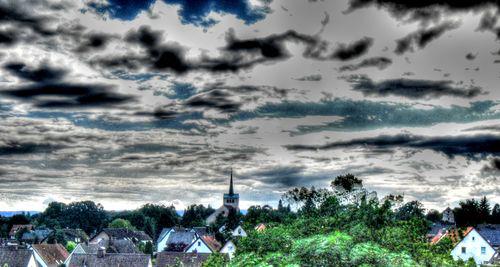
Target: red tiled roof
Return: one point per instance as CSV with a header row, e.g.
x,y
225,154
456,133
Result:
x,y
51,253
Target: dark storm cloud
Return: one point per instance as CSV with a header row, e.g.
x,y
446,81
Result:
x,y
8,37
408,88
237,54
43,73
214,99
287,176
15,148
353,50
310,78
190,12
12,12
378,62
93,41
474,146
67,95
422,37
369,115
424,10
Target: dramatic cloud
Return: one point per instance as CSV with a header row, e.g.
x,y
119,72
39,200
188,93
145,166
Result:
x,y
43,73
67,95
423,10
353,50
422,37
410,88
105,99
474,146
378,62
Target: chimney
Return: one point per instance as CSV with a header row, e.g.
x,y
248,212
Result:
x,y
101,252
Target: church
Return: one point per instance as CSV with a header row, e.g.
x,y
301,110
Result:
x,y
230,201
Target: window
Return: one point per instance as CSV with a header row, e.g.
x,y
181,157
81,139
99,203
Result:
x,y
483,250
199,243
463,250
473,238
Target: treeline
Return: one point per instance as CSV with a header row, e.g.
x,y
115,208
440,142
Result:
x,y
346,225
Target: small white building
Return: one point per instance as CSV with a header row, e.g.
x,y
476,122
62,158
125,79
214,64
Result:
x,y
448,216
474,246
238,231
203,244
229,248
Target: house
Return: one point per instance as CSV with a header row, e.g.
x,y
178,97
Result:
x,y
164,259
35,236
229,248
18,227
480,244
238,231
179,241
65,235
17,257
101,258
161,242
121,233
437,231
260,227
230,201
116,246
49,255
204,244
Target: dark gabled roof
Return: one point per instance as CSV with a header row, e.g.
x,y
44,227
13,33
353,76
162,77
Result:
x,y
123,233
164,259
490,232
165,231
15,257
51,254
181,238
109,260
39,233
200,231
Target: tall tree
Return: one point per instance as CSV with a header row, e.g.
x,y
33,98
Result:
x,y
484,210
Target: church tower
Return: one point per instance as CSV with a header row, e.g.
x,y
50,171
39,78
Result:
x,y
231,199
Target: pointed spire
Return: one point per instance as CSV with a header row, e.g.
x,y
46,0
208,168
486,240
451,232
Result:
x,y
231,190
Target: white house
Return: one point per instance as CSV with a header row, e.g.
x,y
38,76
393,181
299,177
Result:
x,y
238,231
475,246
161,243
229,248
203,244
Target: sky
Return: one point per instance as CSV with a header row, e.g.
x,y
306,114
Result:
x,y
133,102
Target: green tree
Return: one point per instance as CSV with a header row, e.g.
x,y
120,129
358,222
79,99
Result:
x,y
121,223
195,215
216,260
70,246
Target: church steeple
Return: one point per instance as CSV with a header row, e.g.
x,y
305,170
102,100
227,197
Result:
x,y
231,189
231,198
